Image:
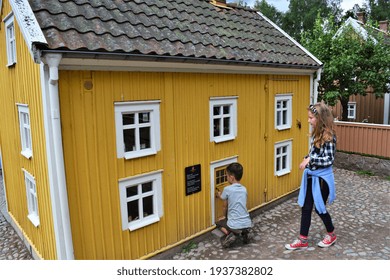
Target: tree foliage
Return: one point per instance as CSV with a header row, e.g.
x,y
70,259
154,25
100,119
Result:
x,y
301,15
269,11
352,64
378,9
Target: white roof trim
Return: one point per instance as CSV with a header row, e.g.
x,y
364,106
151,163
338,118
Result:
x,y
291,39
357,26
152,66
28,24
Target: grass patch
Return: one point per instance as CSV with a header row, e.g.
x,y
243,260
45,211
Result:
x,y
189,246
365,172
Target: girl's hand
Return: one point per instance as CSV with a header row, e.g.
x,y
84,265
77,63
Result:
x,y
304,163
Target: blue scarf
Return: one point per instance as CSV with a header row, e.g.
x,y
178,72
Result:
x,y
327,175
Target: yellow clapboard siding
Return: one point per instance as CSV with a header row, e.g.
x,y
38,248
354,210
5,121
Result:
x,y
93,170
21,84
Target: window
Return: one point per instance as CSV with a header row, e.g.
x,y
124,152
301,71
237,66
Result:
x,y
25,130
32,199
223,119
283,111
352,110
141,200
221,177
283,158
10,39
137,128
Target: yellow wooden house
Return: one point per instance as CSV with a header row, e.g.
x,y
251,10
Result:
x,y
118,118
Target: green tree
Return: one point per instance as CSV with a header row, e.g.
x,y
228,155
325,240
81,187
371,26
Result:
x,y
241,3
301,15
379,9
269,11
352,63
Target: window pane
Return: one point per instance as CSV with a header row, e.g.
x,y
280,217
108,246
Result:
x,y
132,210
220,176
129,139
26,136
284,117
147,187
226,126
226,109
277,164
148,205
144,117
131,191
217,127
145,137
217,110
128,119
278,118
284,162
284,149
34,207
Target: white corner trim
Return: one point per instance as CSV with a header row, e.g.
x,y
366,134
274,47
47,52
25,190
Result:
x,y
291,39
55,158
28,24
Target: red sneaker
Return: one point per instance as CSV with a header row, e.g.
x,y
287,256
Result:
x,y
297,244
328,240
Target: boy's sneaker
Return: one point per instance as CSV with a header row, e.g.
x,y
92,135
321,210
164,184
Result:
x,y
328,240
245,236
229,240
297,244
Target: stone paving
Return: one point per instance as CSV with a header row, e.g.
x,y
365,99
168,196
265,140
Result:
x,y
361,215
11,246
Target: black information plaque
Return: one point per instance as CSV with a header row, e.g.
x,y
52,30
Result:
x,y
193,179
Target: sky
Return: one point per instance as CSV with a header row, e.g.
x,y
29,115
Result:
x,y
282,5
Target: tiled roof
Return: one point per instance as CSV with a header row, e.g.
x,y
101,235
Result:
x,y
188,29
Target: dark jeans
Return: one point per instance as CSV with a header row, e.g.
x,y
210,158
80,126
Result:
x,y
307,209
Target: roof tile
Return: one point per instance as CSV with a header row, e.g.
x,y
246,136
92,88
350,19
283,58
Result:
x,y
178,28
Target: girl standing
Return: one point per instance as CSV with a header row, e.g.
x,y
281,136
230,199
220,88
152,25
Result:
x,y
317,183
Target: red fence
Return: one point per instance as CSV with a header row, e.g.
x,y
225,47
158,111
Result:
x,y
363,138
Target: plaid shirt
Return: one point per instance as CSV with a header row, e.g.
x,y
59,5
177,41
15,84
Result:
x,y
322,157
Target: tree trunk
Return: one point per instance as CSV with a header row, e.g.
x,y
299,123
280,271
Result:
x,y
344,105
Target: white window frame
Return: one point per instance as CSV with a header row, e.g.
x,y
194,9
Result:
x,y
156,179
230,101
351,110
32,198
279,99
278,157
25,130
10,39
138,107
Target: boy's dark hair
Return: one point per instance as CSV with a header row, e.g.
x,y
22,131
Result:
x,y
236,170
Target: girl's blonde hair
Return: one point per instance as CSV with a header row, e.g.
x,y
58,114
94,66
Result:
x,y
324,129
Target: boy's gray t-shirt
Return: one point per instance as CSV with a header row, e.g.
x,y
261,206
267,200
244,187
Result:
x,y
238,216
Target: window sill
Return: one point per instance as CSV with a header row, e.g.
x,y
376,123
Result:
x,y
283,127
11,65
223,139
34,219
282,173
138,154
27,154
144,222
